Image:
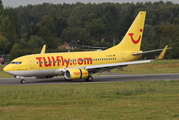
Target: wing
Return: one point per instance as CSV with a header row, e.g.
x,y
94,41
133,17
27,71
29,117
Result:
x,y
108,67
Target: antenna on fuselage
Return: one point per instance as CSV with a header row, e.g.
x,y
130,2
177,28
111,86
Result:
x,y
43,49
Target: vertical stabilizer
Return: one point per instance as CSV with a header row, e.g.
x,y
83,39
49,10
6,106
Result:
x,y
43,49
132,39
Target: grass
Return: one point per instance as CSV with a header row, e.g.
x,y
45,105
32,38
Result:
x,y
155,100
155,67
1,67
4,74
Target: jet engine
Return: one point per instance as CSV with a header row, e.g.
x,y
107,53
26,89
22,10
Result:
x,y
76,73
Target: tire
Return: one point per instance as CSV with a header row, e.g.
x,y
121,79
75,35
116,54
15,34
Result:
x,y
89,79
22,81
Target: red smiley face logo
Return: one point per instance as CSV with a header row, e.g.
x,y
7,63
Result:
x,y
135,41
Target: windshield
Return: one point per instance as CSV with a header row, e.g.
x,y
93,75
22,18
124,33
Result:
x,y
18,63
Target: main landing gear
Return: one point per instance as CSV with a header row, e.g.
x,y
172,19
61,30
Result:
x,y
89,79
22,81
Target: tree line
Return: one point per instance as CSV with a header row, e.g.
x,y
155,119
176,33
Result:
x,y
25,29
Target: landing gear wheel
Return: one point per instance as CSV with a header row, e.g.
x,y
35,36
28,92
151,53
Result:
x,y
22,81
89,79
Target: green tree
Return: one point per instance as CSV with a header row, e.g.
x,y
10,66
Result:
x,y
7,30
123,26
3,44
36,42
60,24
176,21
1,5
20,49
149,40
96,28
71,34
47,28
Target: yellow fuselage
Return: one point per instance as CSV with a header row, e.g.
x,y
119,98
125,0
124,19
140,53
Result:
x,y
51,63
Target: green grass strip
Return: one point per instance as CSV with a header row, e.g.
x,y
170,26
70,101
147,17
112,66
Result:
x,y
101,101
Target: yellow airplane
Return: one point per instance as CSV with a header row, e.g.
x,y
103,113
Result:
x,y
81,65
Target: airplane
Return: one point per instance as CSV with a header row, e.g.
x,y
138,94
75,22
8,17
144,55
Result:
x,y
81,65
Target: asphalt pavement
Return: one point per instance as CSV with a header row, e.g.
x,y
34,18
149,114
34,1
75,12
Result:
x,y
96,79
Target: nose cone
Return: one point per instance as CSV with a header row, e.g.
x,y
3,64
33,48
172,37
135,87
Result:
x,y
7,68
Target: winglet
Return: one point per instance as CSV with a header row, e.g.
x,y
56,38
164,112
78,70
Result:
x,y
162,53
43,49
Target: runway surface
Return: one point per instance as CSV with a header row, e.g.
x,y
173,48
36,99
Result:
x,y
99,78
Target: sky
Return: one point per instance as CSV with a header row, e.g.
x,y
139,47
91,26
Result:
x,y
16,3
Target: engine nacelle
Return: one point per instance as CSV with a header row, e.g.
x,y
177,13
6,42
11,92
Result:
x,y
50,76
76,73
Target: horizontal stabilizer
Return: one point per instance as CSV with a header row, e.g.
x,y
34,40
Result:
x,y
144,52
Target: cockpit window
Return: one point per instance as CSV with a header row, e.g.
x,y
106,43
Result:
x,y
17,63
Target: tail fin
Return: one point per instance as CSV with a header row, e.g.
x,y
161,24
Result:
x,y
132,39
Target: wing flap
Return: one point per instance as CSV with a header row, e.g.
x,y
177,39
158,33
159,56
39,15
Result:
x,y
116,64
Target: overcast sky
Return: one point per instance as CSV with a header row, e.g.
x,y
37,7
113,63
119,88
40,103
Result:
x,y
16,3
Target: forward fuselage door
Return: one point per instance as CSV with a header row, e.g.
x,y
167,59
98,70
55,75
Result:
x,y
31,62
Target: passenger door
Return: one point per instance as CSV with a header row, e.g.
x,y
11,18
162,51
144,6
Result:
x,y
32,63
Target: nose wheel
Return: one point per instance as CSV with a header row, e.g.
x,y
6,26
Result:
x,y
22,81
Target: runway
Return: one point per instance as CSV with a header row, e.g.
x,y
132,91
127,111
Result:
x,y
96,79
